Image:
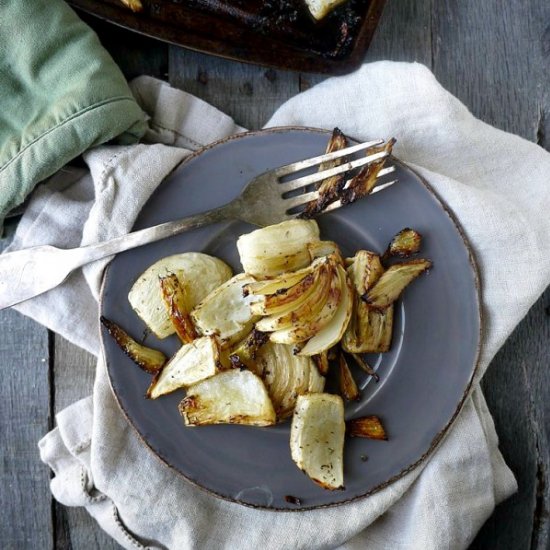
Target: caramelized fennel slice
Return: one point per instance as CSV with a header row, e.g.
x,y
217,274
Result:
x,y
287,299
371,329
330,187
199,274
230,397
364,270
368,426
192,363
334,330
150,360
173,294
404,244
393,281
303,312
245,353
317,438
314,321
225,312
272,250
321,361
286,376
348,386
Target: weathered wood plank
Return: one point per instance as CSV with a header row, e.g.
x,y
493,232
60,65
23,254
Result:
x,y
25,499
74,372
495,57
248,93
499,67
404,33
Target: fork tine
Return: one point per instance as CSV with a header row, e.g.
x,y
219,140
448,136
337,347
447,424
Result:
x,y
337,204
307,163
320,176
304,198
298,200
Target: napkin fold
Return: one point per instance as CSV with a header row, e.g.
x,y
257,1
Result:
x,y
44,46
98,460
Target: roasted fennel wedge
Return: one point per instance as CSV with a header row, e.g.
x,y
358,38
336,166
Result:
x,y
303,322
175,299
226,312
368,426
370,329
393,281
245,353
404,244
286,376
317,438
331,333
275,249
331,187
192,363
198,273
231,397
150,360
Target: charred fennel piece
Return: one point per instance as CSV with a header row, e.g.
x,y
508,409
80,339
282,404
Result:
x,y
321,362
310,318
225,312
368,426
286,376
330,188
145,297
392,283
370,329
231,397
363,183
245,353
404,244
300,312
276,249
192,363
332,333
317,438
348,386
173,294
150,360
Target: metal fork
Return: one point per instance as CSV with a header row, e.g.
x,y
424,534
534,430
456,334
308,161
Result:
x,y
30,272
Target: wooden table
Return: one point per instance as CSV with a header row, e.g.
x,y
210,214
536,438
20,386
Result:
x,y
494,56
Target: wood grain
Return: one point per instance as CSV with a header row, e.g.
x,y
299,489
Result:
x,y
25,499
248,93
498,65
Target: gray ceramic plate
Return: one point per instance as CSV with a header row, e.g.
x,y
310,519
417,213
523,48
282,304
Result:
x,y
423,379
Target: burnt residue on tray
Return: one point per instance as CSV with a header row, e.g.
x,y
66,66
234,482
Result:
x,y
290,22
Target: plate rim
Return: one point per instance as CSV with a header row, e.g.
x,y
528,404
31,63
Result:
x,y
437,439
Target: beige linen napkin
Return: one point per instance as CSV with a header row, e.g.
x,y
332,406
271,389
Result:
x,y
97,458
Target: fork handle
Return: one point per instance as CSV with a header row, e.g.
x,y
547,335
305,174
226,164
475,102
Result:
x,y
93,252
29,272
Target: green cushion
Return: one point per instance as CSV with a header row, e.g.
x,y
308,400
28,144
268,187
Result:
x,y
60,94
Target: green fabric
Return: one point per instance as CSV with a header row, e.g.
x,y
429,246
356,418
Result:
x,y
60,94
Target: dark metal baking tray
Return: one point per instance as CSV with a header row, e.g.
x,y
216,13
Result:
x,y
276,33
